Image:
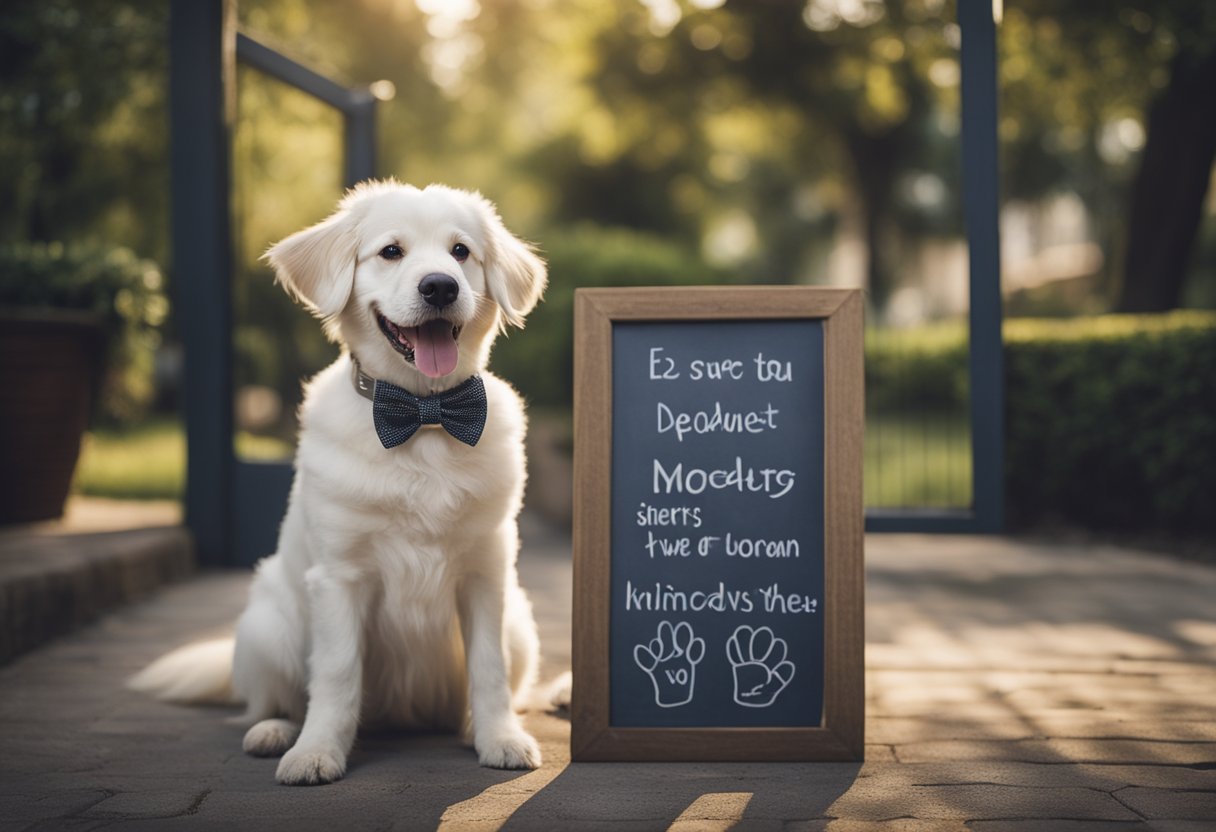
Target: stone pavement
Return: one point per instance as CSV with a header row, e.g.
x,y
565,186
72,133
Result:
x,y
1011,686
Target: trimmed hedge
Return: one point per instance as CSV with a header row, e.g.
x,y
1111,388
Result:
x,y
1110,420
921,369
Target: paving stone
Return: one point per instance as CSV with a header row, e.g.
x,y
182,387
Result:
x,y
252,822
975,801
899,730
1106,778
1189,778
67,825
722,825
150,804
1058,825
899,825
335,804
595,826
1176,804
53,804
986,801
1147,729
1096,750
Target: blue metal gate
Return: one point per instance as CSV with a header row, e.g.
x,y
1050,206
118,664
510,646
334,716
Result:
x,y
233,506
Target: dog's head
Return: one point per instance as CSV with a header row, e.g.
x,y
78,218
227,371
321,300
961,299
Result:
x,y
415,282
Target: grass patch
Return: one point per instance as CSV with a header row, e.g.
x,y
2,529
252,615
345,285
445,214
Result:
x,y
251,446
148,461
920,461
142,462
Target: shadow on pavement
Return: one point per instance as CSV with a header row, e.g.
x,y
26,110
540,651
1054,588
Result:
x,y
656,796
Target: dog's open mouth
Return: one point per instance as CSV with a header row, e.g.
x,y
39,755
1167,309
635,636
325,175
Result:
x,y
430,346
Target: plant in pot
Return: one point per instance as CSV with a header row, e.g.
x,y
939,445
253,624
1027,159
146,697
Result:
x,y
78,333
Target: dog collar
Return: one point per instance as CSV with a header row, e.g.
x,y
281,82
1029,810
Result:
x,y
398,414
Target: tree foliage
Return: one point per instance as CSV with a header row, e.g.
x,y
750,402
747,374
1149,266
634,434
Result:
x,y
82,133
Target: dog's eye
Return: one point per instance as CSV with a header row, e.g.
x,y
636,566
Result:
x,y
393,252
461,252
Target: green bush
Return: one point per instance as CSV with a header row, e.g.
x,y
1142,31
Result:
x,y
1110,420
922,369
540,363
122,290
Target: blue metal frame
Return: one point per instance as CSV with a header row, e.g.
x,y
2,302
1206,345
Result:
x,y
358,106
231,506
259,489
200,115
981,208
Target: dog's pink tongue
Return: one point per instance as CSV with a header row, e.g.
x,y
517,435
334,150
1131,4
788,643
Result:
x,y
435,350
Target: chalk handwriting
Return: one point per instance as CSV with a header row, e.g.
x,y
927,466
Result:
x,y
770,370
663,368
773,482
760,548
649,515
715,370
715,420
667,547
666,597
777,601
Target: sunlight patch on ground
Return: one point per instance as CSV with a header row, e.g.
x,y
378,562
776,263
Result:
x,y
713,812
490,810
1196,631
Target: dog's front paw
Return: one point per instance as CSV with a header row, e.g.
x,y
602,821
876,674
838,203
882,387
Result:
x,y
311,766
512,749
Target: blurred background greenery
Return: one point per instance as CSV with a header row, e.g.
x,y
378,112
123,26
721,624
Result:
x,y
690,142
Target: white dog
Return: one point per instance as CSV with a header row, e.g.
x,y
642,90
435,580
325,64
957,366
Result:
x,y
393,596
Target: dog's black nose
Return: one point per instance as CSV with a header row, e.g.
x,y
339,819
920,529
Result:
x,y
439,290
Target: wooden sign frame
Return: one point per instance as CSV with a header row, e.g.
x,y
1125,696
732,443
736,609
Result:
x,y
840,735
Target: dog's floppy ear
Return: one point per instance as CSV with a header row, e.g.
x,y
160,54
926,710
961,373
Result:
x,y
515,276
317,265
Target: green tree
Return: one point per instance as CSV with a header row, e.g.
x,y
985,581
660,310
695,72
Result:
x,y
82,135
752,107
1074,76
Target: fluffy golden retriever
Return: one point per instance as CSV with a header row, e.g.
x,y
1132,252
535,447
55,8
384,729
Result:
x,y
393,596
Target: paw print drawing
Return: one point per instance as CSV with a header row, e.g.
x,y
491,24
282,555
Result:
x,y
670,659
760,668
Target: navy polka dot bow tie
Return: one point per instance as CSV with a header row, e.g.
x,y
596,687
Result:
x,y
398,414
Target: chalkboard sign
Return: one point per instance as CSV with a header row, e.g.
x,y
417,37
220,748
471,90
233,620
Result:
x,y
718,524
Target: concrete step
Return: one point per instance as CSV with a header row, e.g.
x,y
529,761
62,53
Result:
x,y
57,576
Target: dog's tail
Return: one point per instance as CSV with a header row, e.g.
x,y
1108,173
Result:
x,y
197,674
552,696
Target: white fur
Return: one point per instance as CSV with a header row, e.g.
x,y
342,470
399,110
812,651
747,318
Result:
x,y
393,596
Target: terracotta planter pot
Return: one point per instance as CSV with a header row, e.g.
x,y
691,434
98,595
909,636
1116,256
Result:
x,y
50,363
